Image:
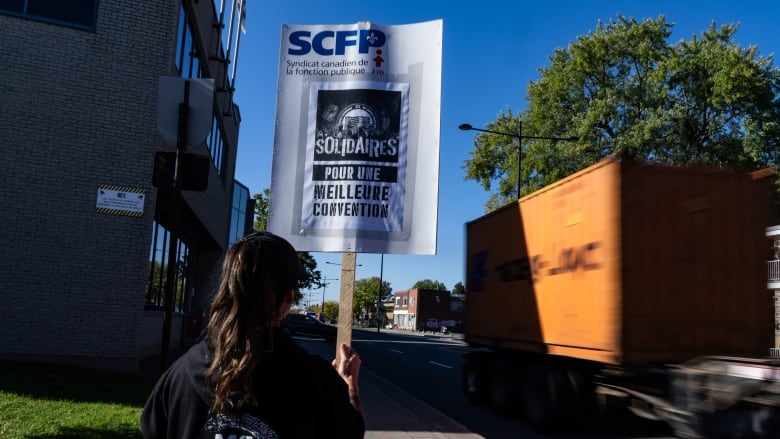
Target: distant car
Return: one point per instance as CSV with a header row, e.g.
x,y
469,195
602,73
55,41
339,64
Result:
x,y
302,324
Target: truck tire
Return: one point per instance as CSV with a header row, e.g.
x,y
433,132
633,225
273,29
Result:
x,y
506,387
474,377
555,396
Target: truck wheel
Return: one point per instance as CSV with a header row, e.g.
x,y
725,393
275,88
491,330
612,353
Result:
x,y
474,379
554,396
540,405
505,387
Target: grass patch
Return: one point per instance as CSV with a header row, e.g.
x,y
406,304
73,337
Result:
x,y
49,401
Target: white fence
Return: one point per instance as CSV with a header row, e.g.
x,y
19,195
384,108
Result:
x,y
773,270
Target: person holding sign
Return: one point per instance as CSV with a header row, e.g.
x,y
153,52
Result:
x,y
248,377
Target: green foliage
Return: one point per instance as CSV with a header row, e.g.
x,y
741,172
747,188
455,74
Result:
x,y
625,90
366,294
427,284
459,289
313,277
332,309
261,209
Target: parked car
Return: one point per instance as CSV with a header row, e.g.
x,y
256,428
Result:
x,y
302,324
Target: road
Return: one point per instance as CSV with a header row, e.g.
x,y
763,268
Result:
x,y
428,367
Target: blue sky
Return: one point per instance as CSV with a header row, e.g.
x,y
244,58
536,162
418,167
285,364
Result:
x,y
491,51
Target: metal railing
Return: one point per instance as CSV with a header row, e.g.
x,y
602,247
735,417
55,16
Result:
x,y
773,270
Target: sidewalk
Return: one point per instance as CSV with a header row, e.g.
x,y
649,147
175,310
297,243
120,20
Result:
x,y
392,413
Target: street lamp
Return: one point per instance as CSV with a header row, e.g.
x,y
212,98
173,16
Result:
x,y
334,263
379,294
519,136
325,284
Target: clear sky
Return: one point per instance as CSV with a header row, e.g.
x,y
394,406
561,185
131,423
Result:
x,y
491,51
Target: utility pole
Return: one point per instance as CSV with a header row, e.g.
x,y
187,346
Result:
x,y
184,114
379,294
173,238
325,284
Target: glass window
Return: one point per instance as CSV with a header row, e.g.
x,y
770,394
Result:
x,y
215,144
238,214
182,32
74,13
187,56
158,270
188,65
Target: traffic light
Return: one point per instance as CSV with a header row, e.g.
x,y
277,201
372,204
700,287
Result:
x,y
194,171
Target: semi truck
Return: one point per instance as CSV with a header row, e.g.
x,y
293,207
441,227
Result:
x,y
628,282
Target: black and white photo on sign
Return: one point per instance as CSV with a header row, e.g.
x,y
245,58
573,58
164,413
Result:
x,y
356,157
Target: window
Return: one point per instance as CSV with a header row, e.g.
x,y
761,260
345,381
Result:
x,y
411,301
215,144
74,13
238,214
188,65
158,270
405,300
187,56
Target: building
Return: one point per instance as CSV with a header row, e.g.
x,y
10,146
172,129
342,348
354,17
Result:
x,y
773,282
425,310
85,231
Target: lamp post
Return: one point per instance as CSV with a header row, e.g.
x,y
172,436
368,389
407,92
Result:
x,y
325,284
348,269
519,136
379,294
334,263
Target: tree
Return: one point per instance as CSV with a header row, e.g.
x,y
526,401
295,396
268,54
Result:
x,y
365,294
427,284
261,209
312,278
625,90
458,289
331,309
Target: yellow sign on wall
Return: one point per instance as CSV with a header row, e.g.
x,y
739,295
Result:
x,y
120,200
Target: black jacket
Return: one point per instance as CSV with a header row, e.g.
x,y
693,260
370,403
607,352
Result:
x,y
298,395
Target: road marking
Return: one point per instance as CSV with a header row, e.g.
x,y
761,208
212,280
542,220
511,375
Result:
x,y
439,364
396,351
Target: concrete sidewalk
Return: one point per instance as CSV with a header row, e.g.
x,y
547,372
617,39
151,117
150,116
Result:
x,y
392,413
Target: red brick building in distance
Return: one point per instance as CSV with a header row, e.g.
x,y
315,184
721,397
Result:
x,y
426,310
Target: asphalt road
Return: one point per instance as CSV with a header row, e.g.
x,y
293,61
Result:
x,y
428,367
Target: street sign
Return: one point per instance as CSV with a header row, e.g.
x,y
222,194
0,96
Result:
x,y
194,169
200,114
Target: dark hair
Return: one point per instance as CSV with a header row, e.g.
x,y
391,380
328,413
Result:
x,y
258,273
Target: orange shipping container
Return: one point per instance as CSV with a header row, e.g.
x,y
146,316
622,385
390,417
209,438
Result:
x,y
625,263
